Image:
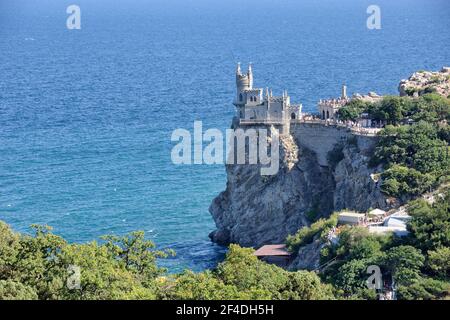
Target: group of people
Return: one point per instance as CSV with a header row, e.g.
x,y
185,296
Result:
x,y
355,126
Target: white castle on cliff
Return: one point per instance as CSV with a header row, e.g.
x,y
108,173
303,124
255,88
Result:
x,y
256,107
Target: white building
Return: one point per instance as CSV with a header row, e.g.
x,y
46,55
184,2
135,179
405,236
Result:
x,y
329,107
254,106
395,223
352,218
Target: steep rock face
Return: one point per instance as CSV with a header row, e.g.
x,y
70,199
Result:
x,y
256,210
308,257
355,187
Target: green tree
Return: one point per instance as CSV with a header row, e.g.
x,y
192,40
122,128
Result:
x,y
399,181
11,290
205,286
404,264
352,277
391,109
430,224
306,285
431,108
306,235
137,254
102,274
439,261
9,246
37,262
424,289
258,279
243,269
353,109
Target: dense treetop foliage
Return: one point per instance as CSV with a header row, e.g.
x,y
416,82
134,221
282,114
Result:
x,y
396,110
38,266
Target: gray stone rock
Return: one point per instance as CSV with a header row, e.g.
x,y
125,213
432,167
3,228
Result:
x,y
255,210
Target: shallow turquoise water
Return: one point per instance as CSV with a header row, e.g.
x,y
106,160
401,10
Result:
x,y
86,116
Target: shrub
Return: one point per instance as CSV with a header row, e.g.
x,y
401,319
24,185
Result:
x,y
399,181
306,235
353,109
439,261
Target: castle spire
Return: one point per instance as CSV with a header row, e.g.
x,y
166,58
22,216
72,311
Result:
x,y
238,68
250,75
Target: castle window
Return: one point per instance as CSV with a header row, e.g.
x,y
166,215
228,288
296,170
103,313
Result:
x,y
328,115
293,116
240,96
323,114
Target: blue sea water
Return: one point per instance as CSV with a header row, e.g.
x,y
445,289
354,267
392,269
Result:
x,y
86,115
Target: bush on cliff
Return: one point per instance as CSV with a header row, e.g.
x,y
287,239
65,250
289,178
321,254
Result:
x,y
399,181
394,110
430,223
353,109
391,109
431,108
305,235
415,156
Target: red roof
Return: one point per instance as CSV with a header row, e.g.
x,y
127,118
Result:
x,y
272,250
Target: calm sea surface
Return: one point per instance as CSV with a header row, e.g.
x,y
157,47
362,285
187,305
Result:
x,y
86,115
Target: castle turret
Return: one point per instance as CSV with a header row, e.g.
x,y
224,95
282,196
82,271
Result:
x,y
243,82
250,76
344,92
254,107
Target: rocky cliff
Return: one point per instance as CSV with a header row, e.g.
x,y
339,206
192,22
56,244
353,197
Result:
x,y
322,169
423,82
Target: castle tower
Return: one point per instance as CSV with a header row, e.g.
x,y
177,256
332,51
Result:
x,y
344,92
243,82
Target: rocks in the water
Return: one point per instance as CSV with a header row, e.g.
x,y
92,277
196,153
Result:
x,y
220,236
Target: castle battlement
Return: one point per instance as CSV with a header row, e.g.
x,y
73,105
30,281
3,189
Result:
x,y
329,107
254,106
257,106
